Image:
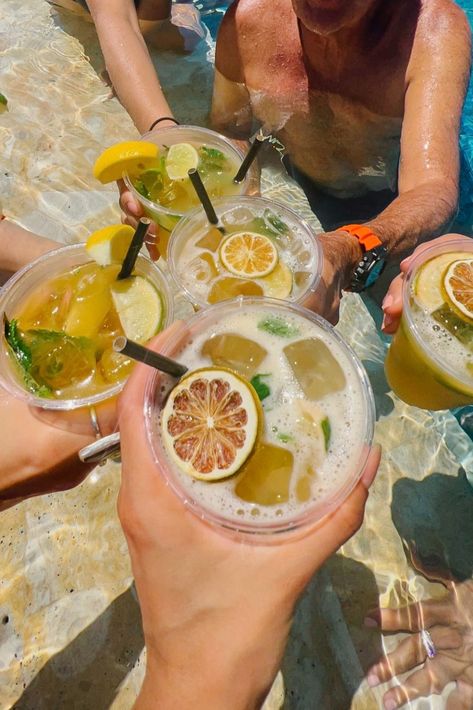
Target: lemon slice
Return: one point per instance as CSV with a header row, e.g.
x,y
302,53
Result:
x,y
210,423
181,158
139,306
279,282
428,283
110,244
458,285
129,157
248,254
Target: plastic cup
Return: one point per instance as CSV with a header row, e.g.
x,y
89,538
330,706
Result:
x,y
167,218
298,248
421,366
261,523
18,288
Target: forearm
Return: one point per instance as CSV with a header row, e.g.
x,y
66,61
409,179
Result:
x,y
415,216
18,246
131,70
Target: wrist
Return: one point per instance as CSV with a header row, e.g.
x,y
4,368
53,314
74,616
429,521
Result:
x,y
344,252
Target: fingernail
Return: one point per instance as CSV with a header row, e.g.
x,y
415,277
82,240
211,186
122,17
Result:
x,y
387,320
373,680
387,302
130,206
371,623
390,704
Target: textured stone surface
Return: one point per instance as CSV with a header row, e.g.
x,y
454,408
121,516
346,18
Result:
x,y
71,634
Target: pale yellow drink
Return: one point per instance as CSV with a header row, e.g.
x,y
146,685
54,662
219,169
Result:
x,y
430,361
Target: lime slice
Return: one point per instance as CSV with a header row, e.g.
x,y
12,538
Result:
x,y
139,306
181,158
110,244
210,423
458,285
279,282
130,157
428,283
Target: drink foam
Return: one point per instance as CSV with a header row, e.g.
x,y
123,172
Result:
x,y
346,409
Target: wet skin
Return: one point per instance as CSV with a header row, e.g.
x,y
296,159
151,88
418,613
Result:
x,y
351,88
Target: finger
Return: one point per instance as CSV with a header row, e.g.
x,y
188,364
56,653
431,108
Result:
x,y
461,698
411,652
414,617
128,202
432,678
126,219
392,305
130,412
338,527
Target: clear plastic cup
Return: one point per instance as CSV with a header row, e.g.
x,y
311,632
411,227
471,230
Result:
x,y
298,251
47,267
163,216
427,365
352,429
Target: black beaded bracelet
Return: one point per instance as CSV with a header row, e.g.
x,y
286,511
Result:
x,y
164,118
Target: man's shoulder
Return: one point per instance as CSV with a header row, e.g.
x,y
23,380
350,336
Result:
x,y
443,37
438,18
253,15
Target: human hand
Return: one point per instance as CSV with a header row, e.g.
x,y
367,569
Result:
x,y
38,452
392,303
132,211
450,624
216,610
341,254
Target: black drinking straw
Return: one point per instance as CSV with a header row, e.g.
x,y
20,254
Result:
x,y
134,249
249,158
149,357
199,187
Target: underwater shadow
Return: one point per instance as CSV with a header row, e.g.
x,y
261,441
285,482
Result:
x,y
59,685
329,649
434,518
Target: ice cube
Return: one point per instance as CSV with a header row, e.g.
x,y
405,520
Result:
x,y
202,268
315,368
230,287
211,240
265,479
301,279
236,352
239,217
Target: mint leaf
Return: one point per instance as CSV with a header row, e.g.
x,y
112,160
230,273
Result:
x,y
275,325
23,356
285,438
327,431
275,222
20,349
3,100
262,389
211,153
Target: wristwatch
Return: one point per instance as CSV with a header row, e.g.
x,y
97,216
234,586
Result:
x,y
373,261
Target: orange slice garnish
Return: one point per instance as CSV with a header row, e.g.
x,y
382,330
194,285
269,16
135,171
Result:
x,y
210,423
458,285
248,254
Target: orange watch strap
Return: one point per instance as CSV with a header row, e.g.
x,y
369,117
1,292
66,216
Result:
x,y
365,235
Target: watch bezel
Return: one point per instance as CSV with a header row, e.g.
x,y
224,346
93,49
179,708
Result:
x,y
365,266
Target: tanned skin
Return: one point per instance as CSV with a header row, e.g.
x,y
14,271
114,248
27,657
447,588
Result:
x,y
349,87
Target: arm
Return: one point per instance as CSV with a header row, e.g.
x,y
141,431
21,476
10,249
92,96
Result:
x,y
18,246
128,61
437,79
231,104
216,610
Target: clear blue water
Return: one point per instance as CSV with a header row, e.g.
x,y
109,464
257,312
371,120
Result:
x,y
465,217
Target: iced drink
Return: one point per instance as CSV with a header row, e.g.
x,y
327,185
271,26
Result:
x,y
61,314
270,429
430,361
164,189
261,248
